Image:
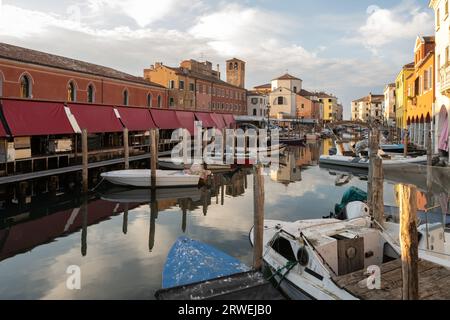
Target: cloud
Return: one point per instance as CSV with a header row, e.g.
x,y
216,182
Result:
x,y
384,26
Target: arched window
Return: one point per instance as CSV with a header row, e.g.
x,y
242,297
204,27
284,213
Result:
x,y
149,100
159,102
254,112
71,92
125,97
236,66
231,66
90,94
25,87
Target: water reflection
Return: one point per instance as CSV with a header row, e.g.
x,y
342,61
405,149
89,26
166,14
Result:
x,y
121,238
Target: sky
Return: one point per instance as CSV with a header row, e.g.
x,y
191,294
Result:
x,y
345,47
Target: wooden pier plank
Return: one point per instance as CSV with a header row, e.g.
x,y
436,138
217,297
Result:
x,y
434,282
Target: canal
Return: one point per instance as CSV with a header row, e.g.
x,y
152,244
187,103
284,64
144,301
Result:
x,y
121,248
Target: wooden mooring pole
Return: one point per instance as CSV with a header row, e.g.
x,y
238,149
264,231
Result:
x,y
125,220
154,157
126,148
85,213
405,143
376,179
84,150
153,202
409,242
258,206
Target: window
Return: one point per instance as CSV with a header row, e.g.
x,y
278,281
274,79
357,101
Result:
x,y
303,106
283,247
255,112
254,100
149,100
295,89
71,92
329,100
125,97
280,100
25,87
91,92
171,84
230,66
171,102
430,78
181,85
191,87
159,102
439,67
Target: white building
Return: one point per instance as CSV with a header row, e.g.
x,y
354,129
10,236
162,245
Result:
x,y
369,108
441,107
389,104
257,104
283,103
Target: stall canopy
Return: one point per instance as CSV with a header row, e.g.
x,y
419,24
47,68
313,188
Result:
x,y
2,131
32,118
95,118
229,119
187,120
218,119
136,119
165,119
206,119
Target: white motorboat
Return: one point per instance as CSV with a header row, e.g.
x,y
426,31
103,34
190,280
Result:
x,y
144,195
363,162
329,259
177,164
141,178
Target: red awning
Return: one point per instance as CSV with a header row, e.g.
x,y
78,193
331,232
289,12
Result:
x,y
165,119
206,119
229,119
32,118
2,131
95,118
218,119
136,119
187,120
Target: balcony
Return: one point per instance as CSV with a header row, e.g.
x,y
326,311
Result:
x,y
444,74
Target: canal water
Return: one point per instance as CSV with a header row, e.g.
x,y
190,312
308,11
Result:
x,y
121,248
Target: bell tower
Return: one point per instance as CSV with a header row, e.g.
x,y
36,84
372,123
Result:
x,y
236,72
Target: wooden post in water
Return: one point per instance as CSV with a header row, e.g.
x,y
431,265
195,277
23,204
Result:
x,y
378,191
405,143
258,207
85,172
153,157
429,168
224,144
126,148
409,242
85,213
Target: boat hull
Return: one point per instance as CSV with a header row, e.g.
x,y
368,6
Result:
x,y
141,178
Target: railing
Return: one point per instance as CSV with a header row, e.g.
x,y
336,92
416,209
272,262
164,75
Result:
x,y
444,74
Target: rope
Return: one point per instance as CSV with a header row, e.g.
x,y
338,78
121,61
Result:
x,y
95,188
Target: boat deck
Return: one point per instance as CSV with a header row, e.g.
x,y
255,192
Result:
x,y
434,282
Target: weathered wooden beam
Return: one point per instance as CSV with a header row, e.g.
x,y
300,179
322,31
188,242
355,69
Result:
x,y
258,207
409,242
378,191
153,157
126,148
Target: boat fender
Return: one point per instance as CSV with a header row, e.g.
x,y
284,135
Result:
x,y
303,256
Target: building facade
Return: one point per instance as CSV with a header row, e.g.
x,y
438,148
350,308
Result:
x,y
330,106
420,87
283,97
441,108
31,74
389,105
257,104
368,109
196,86
308,106
401,95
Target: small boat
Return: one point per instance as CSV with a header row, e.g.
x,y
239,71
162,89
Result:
x,y
393,148
363,162
141,178
191,261
328,259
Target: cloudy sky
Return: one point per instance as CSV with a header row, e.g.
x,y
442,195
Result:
x,y
346,47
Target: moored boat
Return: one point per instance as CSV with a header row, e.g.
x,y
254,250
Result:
x,y
141,178
363,162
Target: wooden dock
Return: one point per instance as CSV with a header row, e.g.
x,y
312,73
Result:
x,y
243,286
434,282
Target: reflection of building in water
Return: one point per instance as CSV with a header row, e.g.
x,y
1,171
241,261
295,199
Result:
x,y
236,187
326,146
422,202
308,155
289,171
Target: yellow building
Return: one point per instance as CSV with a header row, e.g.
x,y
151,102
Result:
x,y
330,107
420,88
401,95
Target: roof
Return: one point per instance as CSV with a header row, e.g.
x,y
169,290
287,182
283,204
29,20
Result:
x,y
264,86
287,76
375,98
325,95
255,93
306,93
20,54
201,76
410,65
